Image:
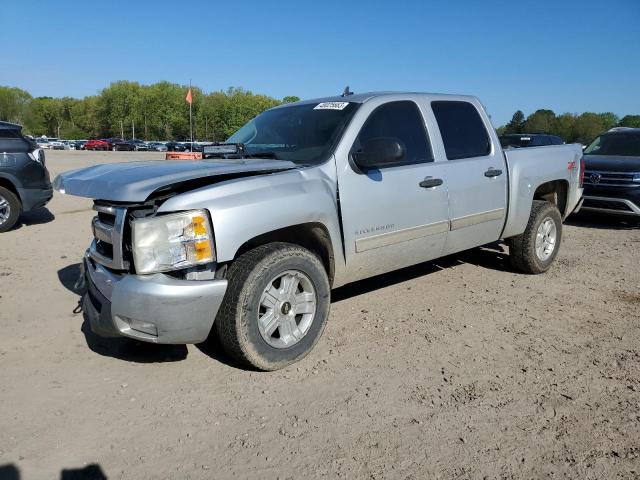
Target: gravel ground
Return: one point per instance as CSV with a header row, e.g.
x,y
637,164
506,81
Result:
x,y
459,368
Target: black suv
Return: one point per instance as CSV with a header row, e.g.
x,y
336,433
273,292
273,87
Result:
x,y
612,173
521,140
24,179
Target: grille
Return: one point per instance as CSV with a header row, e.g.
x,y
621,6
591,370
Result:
x,y
611,179
606,205
108,228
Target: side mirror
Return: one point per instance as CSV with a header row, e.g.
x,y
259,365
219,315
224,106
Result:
x,y
379,152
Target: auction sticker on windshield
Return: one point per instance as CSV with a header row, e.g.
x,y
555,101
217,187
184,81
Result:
x,y
331,106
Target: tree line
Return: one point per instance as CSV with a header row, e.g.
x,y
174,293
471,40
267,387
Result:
x,y
582,128
159,112
129,109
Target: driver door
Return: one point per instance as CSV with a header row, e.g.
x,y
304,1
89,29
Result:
x,y
396,214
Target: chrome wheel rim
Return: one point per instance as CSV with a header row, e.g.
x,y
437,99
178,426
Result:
x,y
287,309
5,210
546,239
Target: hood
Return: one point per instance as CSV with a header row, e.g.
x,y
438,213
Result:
x,y
612,163
136,181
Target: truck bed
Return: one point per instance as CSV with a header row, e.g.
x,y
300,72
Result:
x,y
536,166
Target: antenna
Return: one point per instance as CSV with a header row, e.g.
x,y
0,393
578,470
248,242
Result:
x,y
347,92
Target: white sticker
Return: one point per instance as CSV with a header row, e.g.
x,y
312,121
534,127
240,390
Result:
x,y
331,106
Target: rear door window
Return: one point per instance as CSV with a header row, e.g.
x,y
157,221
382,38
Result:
x,y
462,129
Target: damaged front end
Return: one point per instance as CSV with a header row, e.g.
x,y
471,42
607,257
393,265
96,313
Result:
x,y
152,276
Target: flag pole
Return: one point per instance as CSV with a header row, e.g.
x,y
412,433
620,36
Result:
x,y
190,120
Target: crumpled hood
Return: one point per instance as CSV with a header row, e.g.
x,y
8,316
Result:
x,y
136,181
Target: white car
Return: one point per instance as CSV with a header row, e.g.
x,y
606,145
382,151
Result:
x,y
58,145
43,143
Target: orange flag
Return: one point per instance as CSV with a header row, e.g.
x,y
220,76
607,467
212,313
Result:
x,y
189,98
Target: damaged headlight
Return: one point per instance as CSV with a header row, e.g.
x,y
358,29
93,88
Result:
x,y
172,242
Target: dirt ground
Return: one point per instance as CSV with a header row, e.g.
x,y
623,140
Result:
x,y
459,368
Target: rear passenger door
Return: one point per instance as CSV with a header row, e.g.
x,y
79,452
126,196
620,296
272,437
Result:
x,y
476,174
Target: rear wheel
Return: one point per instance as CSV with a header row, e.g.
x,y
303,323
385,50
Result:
x,y
276,306
537,247
9,209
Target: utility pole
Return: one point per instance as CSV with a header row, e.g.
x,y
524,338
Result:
x,y
121,130
133,129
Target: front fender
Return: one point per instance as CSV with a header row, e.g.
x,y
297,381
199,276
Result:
x,y
242,209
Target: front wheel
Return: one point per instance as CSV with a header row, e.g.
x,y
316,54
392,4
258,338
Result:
x,y
276,306
536,248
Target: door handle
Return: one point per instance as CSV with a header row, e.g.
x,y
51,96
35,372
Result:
x,y
493,172
430,182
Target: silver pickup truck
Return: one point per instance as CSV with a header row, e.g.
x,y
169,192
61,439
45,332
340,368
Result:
x,y
247,244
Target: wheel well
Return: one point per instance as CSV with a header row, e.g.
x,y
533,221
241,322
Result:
x,y
9,186
554,192
312,236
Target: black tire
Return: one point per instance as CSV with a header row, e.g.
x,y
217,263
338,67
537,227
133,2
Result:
x,y
236,325
522,248
15,208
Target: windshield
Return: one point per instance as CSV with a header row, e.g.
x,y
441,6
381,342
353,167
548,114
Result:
x,y
303,134
515,141
622,144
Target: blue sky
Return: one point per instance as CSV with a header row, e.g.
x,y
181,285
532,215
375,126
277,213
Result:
x,y
567,55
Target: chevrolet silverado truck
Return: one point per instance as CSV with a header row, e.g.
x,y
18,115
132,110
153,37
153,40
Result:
x,y
247,244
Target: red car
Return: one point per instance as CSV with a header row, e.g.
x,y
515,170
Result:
x,y
96,145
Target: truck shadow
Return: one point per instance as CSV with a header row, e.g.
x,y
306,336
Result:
x,y
90,472
603,221
493,256
121,348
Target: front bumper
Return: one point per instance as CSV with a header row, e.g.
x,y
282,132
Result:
x,y
612,205
152,308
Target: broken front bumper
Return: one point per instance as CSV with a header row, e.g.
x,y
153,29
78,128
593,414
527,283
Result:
x,y
152,308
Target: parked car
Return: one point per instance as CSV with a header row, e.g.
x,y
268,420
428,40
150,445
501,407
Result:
x,y
612,177
522,140
157,147
123,145
140,145
174,146
24,179
258,245
58,145
43,143
79,144
96,145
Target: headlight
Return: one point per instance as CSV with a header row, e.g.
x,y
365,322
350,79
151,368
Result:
x,y
172,242
37,155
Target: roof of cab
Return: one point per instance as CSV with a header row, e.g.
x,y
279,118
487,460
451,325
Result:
x,y
9,126
364,97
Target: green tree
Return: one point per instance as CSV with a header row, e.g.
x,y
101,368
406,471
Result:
x,y
589,125
632,121
541,121
290,99
13,104
563,126
516,125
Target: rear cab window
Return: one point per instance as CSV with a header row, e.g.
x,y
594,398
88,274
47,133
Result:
x,y
463,132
